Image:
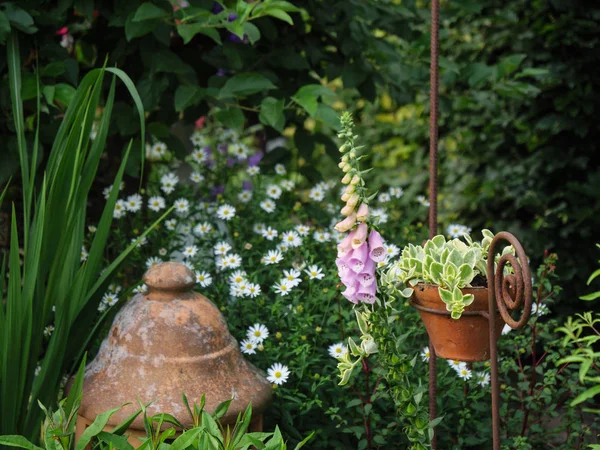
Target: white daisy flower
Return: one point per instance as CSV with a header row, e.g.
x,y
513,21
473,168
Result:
x,y
272,257
482,378
464,373
314,272
48,330
221,248
253,290
106,191
259,228
84,254
222,263
391,250
269,233
162,251
268,205
110,299
248,347
134,203
182,205
396,192
153,261
237,277
384,197
239,150
190,251
196,177
337,350
171,224
202,228
455,230
233,261
253,170
422,200
226,212
168,182
278,373
140,289
120,209
456,365
288,185
284,287
92,228
37,370
203,279
245,196
302,230
291,238
292,276
280,169
257,333
425,354
159,149
114,288
379,215
321,236
156,203
102,307
199,156
198,139
539,309
317,194
274,191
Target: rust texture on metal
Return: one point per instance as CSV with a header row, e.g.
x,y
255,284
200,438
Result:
x,y
166,342
466,339
506,293
433,182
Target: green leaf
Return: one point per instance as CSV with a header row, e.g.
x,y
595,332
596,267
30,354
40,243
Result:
x,y
231,117
445,295
63,93
304,441
186,96
328,115
590,297
189,30
466,273
245,84
586,395
186,439
95,428
4,27
18,441
279,14
114,440
19,18
593,276
435,273
252,32
138,29
307,97
271,113
147,11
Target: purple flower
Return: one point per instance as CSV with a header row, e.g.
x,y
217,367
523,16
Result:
x,y
222,148
230,162
217,8
366,294
221,72
220,189
234,38
231,17
359,257
356,267
377,250
247,185
255,159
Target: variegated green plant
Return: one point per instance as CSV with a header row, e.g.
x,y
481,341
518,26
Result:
x,y
451,265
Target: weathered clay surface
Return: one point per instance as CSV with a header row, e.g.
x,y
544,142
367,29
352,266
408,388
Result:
x,y
166,342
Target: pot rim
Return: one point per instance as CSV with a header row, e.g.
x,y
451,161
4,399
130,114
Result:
x,y
429,285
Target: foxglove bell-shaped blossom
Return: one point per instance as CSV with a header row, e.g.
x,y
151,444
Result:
x,y
360,235
367,276
345,246
362,213
377,250
359,258
366,294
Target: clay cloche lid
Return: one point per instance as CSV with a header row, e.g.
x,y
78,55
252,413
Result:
x,y
165,342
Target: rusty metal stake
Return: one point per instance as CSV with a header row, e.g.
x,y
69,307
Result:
x,y
499,286
433,183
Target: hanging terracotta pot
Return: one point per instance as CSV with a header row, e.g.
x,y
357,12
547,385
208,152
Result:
x,y
465,339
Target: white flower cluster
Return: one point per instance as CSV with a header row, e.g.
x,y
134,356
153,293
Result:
x,y
255,336
456,230
462,369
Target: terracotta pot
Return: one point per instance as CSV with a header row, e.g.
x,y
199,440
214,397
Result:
x,y
466,339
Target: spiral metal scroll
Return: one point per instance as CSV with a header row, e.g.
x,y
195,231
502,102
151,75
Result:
x,y
510,291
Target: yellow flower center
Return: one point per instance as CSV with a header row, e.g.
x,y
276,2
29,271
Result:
x,y
277,374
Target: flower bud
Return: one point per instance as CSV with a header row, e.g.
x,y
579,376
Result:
x,y
346,224
344,147
347,210
342,164
346,179
346,197
362,213
345,158
353,200
347,168
355,179
350,189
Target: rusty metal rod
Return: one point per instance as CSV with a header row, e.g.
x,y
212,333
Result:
x,y
433,182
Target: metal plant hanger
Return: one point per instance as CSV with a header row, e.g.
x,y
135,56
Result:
x,y
505,293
